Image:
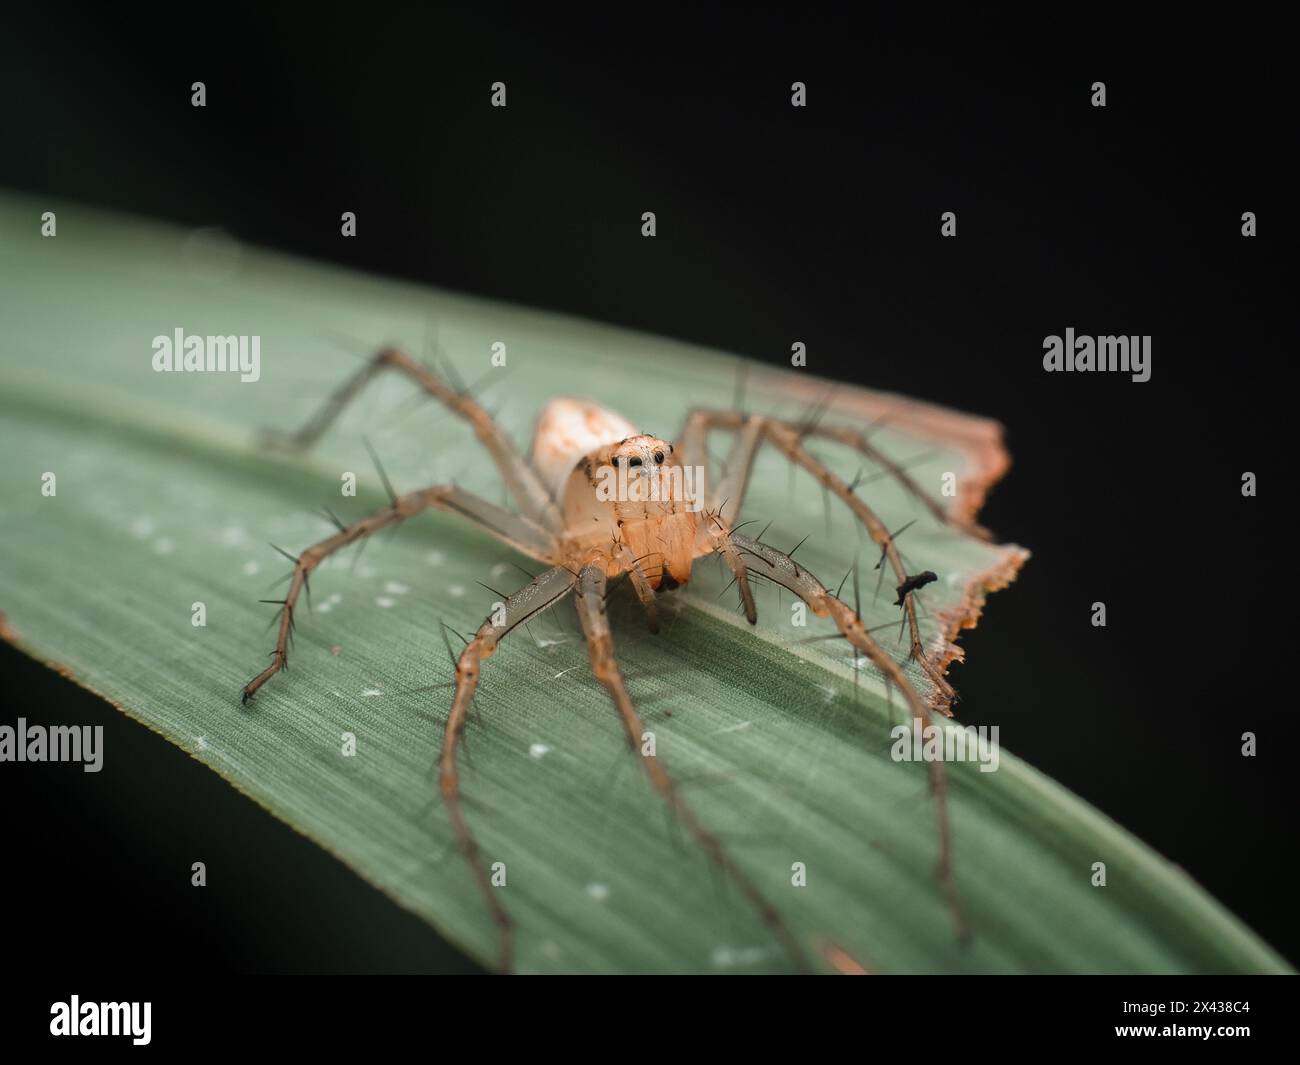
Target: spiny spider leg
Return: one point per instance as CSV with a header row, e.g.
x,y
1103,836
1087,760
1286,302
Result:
x,y
781,568
600,645
538,595
698,423
526,488
860,442
728,494
725,546
640,583
518,532
789,442
727,497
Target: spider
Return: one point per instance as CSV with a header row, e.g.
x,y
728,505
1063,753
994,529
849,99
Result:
x,y
601,501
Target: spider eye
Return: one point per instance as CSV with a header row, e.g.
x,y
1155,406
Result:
x,y
659,457
634,462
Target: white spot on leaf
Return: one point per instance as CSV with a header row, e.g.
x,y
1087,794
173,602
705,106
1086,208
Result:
x,y
730,957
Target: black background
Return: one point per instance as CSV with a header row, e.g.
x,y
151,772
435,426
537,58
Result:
x,y
774,224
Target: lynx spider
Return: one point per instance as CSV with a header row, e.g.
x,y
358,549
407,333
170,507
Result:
x,y
586,541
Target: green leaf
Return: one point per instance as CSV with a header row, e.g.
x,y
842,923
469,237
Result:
x,y
163,500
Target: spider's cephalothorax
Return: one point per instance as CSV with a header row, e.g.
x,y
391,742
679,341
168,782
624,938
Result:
x,y
599,500
625,497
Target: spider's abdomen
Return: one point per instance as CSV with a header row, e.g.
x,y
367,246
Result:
x,y
567,431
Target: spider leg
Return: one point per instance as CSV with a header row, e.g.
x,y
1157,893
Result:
x,y
525,487
782,569
518,532
538,595
861,442
729,494
725,546
698,422
600,645
789,442
640,583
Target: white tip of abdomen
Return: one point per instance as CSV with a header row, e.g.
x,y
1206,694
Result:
x,y
567,430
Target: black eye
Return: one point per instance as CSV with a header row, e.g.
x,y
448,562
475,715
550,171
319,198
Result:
x,y
635,462
659,457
